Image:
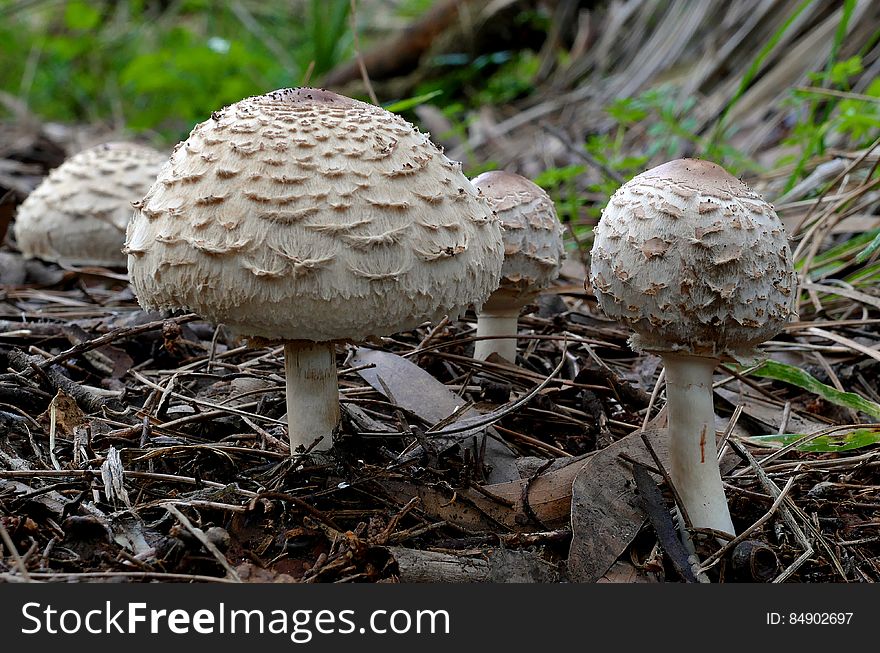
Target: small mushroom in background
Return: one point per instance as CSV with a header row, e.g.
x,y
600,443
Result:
x,y
533,253
12,269
699,266
311,218
79,212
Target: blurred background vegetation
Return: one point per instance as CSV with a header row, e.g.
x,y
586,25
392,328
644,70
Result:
x,y
163,66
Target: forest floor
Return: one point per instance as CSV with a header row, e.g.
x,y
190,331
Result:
x,y
156,448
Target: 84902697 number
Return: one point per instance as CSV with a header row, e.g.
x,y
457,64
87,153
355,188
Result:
x,y
820,618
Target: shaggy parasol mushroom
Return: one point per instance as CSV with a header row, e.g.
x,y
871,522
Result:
x,y
311,218
699,266
78,214
533,253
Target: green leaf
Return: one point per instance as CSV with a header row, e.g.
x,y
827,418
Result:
x,y
844,441
626,111
553,177
478,168
795,376
842,71
81,16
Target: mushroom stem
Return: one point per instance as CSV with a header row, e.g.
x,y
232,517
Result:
x,y
497,323
312,393
693,455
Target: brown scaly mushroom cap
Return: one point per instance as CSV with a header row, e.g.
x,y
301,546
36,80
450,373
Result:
x,y
305,215
533,248
694,261
78,214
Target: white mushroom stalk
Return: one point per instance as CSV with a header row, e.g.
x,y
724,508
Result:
x,y
693,457
312,392
699,266
496,333
78,214
310,218
533,253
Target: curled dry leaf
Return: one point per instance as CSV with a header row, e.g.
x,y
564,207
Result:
x,y
113,476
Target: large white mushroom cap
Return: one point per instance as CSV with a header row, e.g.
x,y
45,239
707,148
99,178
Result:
x,y
533,246
694,261
79,213
305,215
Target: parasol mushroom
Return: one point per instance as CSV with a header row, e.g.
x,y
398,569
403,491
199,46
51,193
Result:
x,y
533,253
310,218
699,266
78,214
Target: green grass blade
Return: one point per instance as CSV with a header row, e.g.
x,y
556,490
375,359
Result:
x,y
338,23
317,30
868,275
795,376
846,249
868,252
844,441
755,67
821,110
328,22
409,103
849,7
841,256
